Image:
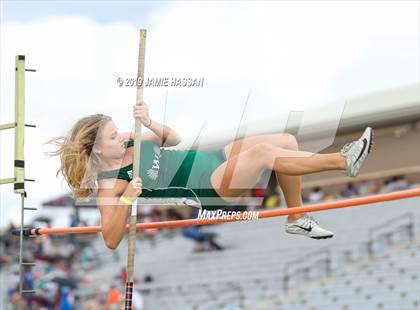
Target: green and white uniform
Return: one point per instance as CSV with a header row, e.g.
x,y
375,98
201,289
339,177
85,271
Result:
x,y
174,174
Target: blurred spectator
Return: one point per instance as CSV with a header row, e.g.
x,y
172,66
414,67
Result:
x,y
114,298
272,201
14,241
138,302
92,303
100,298
400,183
13,284
66,300
28,279
394,184
18,302
204,240
86,257
260,193
123,275
146,210
152,216
350,191
368,187
316,195
331,197
4,256
73,223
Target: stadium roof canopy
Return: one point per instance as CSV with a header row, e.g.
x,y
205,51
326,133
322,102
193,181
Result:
x,y
378,109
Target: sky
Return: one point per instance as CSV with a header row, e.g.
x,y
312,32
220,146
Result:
x,y
289,55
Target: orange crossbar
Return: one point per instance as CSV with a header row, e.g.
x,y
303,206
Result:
x,y
262,214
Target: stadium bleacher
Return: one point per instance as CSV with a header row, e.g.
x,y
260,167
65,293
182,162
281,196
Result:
x,y
375,266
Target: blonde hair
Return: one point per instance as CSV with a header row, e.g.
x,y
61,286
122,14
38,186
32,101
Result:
x,y
79,165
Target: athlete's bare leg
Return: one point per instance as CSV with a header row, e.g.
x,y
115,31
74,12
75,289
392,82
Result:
x,y
290,184
243,170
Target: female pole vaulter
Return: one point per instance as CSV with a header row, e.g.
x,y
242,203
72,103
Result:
x,y
94,155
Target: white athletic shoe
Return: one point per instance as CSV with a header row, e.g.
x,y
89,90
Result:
x,y
356,152
308,226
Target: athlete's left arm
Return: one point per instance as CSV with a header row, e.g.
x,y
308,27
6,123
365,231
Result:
x,y
159,134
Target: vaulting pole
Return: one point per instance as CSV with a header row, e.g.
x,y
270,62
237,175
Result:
x,y
415,192
136,173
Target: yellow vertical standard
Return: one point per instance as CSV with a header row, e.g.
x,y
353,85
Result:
x,y
19,185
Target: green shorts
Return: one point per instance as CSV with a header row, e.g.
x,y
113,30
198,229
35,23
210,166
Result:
x,y
195,173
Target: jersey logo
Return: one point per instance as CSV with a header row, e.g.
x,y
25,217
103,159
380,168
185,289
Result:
x,y
304,228
153,174
361,152
156,162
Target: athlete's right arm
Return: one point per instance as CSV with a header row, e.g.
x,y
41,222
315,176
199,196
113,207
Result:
x,y
114,213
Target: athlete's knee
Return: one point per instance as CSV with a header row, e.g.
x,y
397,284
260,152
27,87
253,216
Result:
x,y
262,152
290,142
